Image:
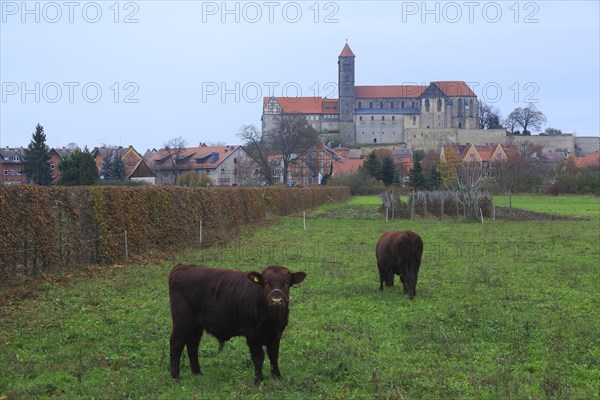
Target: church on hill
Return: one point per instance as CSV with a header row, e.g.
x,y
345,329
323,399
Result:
x,y
417,115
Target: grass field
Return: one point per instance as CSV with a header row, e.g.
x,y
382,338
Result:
x,y
504,310
569,205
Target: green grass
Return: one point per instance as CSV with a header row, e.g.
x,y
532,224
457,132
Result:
x,y
569,205
504,310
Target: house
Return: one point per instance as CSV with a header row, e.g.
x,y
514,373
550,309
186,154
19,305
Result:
x,y
310,168
136,168
403,158
11,165
56,155
223,165
591,160
483,156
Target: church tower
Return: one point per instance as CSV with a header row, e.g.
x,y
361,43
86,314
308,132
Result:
x,y
346,84
346,94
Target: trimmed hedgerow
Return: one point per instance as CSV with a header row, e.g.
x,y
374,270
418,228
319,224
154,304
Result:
x,y
46,227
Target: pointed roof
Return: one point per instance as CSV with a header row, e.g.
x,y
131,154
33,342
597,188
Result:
x,y
454,88
346,52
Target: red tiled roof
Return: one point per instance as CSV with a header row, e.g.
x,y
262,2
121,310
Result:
x,y
299,105
589,160
485,152
189,157
346,165
454,88
405,91
346,51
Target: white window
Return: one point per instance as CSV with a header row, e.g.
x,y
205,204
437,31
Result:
x,y
16,157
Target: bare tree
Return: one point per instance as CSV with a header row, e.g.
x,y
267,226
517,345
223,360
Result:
x,y
523,171
291,137
463,180
489,117
174,148
257,148
245,172
529,117
511,122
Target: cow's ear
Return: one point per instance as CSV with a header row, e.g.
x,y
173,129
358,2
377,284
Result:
x,y
255,277
298,277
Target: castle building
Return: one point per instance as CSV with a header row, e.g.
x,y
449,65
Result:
x,y
382,114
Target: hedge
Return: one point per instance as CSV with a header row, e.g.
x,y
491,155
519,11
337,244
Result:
x,y
47,227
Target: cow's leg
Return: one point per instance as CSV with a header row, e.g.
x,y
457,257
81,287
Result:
x,y
390,278
192,344
177,343
273,352
403,283
382,276
258,358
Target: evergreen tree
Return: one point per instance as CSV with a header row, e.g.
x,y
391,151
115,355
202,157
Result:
x,y
371,166
36,159
388,169
416,173
432,179
78,168
113,167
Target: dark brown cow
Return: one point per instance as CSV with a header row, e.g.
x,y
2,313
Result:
x,y
227,303
399,253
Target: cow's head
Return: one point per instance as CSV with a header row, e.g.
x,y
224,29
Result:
x,y
275,282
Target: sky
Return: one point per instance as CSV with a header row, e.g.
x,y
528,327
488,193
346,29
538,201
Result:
x,y
142,72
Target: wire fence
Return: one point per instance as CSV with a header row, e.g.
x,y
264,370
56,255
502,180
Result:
x,y
439,204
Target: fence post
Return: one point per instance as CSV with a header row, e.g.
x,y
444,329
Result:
x,y
126,247
481,213
442,207
412,205
200,232
304,218
387,210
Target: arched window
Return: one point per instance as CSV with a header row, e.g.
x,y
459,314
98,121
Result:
x,y
392,104
359,104
439,105
427,105
460,107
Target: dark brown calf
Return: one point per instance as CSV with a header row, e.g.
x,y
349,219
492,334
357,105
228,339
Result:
x,y
227,303
399,253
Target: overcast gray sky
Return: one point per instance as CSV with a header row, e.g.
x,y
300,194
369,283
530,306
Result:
x,y
141,72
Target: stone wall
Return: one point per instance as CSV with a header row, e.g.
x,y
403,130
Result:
x,y
551,143
587,144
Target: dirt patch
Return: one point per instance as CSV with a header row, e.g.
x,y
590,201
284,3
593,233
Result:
x,y
358,212
517,214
